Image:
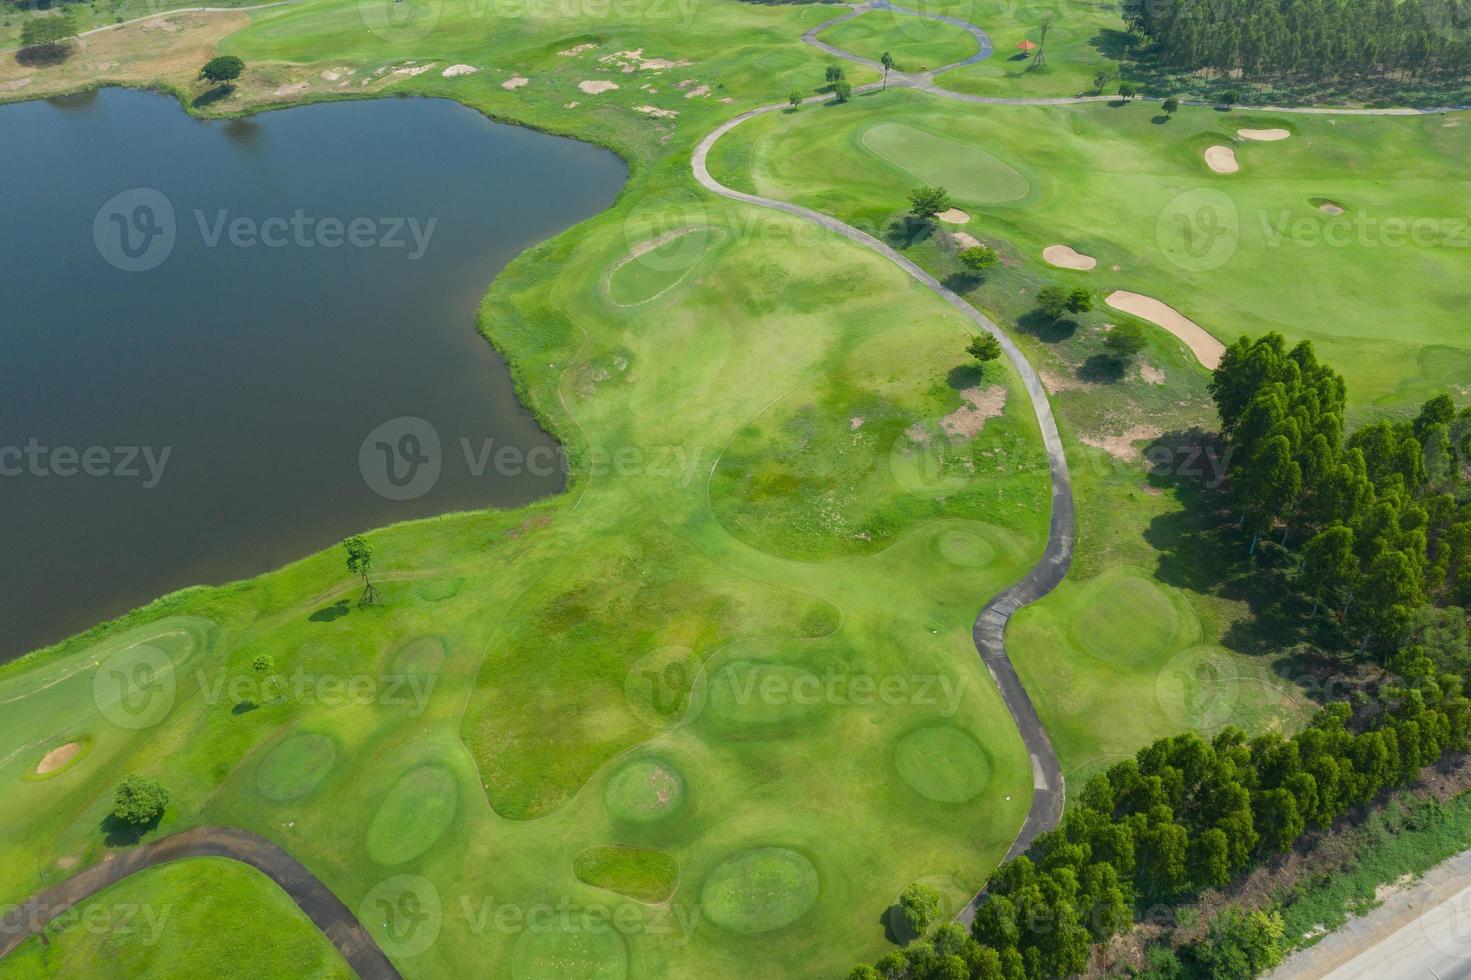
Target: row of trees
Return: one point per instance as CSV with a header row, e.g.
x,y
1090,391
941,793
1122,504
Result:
x,y
1182,816
1314,40
1384,512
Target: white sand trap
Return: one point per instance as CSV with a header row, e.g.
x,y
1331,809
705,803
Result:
x,y
515,82
1222,159
1207,349
1328,207
1264,135
58,757
1064,257
454,71
593,87
953,216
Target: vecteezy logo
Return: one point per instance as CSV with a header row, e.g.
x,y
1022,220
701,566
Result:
x,y
1198,230
135,230
134,688
400,21
401,459
408,913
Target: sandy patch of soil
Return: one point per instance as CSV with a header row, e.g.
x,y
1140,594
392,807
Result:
x,y
1055,382
292,90
337,74
515,82
15,84
1151,374
1066,257
1329,208
58,757
698,92
632,61
454,71
1122,445
411,69
161,24
953,216
981,405
1222,159
1207,349
856,422
570,105
963,240
655,111
1264,135
596,87
579,49
67,861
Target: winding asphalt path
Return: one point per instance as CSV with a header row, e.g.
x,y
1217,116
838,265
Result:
x,y
990,626
325,910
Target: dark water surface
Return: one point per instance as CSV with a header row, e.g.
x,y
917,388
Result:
x,y
253,353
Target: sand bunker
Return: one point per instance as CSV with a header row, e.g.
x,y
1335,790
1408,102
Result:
x,y
1064,257
592,87
1222,159
515,82
456,70
953,216
58,757
1329,207
1264,135
1207,349
980,404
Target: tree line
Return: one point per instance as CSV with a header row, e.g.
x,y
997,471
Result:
x,y
1385,513
1315,40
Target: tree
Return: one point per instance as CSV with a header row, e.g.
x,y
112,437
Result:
x,y
978,258
926,202
48,34
920,905
1079,300
795,99
1329,567
1052,300
222,70
835,74
1230,98
264,664
1101,80
842,91
1125,340
360,563
984,348
1170,105
1040,58
1127,90
1239,945
139,802
888,62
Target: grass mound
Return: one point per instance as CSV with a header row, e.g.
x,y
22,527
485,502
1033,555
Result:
x,y
569,952
644,790
419,658
1125,619
656,266
751,699
969,173
638,872
916,43
413,816
759,890
295,767
966,547
943,763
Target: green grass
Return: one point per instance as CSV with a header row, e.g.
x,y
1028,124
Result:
x,y
969,173
647,875
943,763
200,917
760,890
916,44
1084,38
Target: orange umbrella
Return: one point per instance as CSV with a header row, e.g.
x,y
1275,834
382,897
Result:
x,y
1027,46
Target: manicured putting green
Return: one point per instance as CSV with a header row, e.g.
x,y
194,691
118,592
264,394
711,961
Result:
x,y
419,658
969,173
643,791
943,763
760,890
293,769
751,698
641,873
658,265
969,549
1125,620
413,816
568,951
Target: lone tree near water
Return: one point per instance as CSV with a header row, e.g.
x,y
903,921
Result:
x,y
222,70
926,202
360,563
48,35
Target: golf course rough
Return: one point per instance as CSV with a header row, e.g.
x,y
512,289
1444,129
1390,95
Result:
x,y
417,811
943,763
296,766
574,947
760,890
971,175
641,873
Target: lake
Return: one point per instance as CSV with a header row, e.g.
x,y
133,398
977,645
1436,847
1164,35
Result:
x,y
228,344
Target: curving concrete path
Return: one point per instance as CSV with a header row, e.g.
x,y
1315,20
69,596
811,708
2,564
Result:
x,y
989,630
325,910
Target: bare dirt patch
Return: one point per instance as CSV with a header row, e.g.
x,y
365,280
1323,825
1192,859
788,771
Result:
x,y
596,87
1122,445
632,61
575,51
1066,257
58,757
454,71
1264,135
1207,349
655,111
981,405
699,91
953,216
515,82
1222,159
1151,374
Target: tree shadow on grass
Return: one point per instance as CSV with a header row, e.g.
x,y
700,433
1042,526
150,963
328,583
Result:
x,y
1046,328
964,376
212,96
963,282
1160,119
907,232
43,55
1102,369
116,833
330,613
